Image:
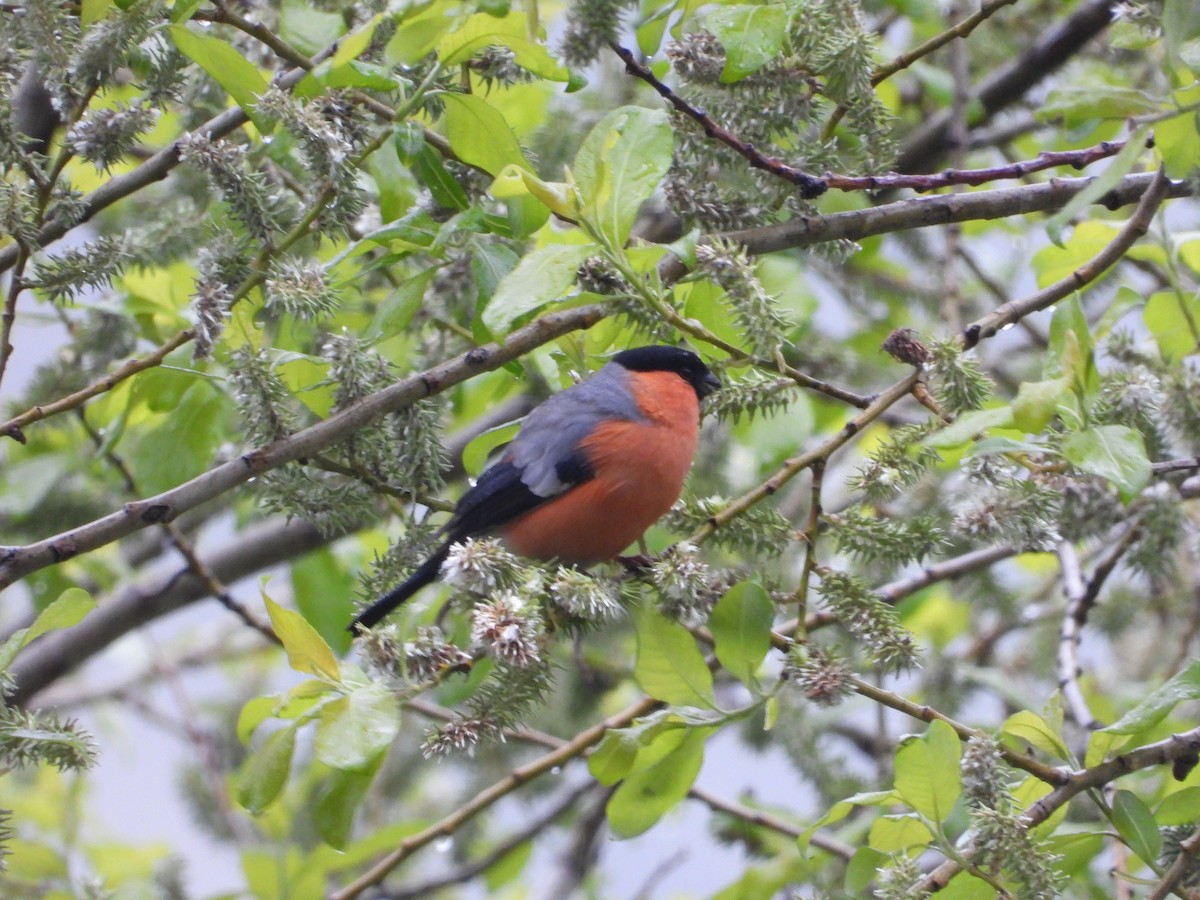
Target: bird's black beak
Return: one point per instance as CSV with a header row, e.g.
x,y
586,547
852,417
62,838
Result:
x,y
709,384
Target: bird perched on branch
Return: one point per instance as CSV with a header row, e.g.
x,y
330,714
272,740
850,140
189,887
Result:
x,y
590,470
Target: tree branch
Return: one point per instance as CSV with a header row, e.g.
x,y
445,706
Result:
x,y
1185,746
16,562
167,588
1155,192
1007,84
448,825
923,212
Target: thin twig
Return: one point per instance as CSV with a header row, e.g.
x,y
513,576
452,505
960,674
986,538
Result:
x,y
1175,465
1049,774
474,868
179,539
1188,848
810,534
1184,746
797,464
774,823
808,185
448,825
1134,228
894,591
959,30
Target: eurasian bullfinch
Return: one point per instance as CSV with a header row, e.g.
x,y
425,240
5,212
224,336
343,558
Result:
x,y
590,470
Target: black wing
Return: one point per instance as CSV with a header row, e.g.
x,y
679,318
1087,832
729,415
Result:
x,y
499,496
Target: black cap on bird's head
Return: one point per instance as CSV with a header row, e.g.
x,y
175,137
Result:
x,y
686,364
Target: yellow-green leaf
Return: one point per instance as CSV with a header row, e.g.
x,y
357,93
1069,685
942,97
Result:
x,y
479,134
266,771
669,665
232,71
306,650
1029,728
927,772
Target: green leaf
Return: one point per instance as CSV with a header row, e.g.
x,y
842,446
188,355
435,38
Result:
x,y
232,71
669,665
741,629
841,809
431,171
481,31
508,867
1177,140
636,748
356,728
182,443
306,650
307,29
1179,808
1180,27
861,871
613,758
490,264
927,772
256,711
1078,106
480,135
1038,401
477,452
266,771
645,796
66,610
1154,708
891,834
397,310
92,11
1030,729
323,589
618,166
338,801
541,277
751,35
1172,319
1115,452
516,181
1071,351
1135,823
1121,165
969,424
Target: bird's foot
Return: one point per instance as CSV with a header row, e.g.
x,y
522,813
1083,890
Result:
x,y
637,562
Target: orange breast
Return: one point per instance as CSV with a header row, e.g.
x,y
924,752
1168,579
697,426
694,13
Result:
x,y
639,470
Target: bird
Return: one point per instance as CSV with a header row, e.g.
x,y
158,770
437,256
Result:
x,y
590,469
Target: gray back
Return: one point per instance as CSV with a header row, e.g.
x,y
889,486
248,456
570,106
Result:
x,y
552,432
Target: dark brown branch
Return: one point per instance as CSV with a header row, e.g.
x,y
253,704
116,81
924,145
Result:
x,y
809,186
1076,159
813,186
1007,84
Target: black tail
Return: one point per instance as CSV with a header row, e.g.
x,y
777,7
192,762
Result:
x,y
426,573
